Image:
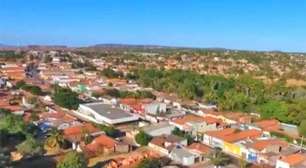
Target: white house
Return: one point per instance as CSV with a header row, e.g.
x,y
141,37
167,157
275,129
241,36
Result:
x,y
183,156
155,108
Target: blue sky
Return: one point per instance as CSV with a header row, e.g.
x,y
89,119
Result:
x,y
237,24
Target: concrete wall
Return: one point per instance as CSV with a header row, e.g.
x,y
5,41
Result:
x,y
281,164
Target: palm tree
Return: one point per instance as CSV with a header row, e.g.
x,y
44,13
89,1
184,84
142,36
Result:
x,y
218,158
55,139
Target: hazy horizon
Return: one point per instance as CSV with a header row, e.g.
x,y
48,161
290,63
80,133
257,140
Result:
x,y
264,25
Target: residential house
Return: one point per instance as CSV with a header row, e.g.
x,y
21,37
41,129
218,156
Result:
x,y
77,133
184,156
57,119
268,125
165,143
228,139
13,71
231,118
7,101
134,105
265,151
155,108
297,160
131,160
162,128
103,145
203,151
275,126
197,125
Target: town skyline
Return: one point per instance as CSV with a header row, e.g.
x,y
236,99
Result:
x,y
265,25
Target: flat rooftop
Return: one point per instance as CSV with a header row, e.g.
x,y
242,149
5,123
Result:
x,y
108,110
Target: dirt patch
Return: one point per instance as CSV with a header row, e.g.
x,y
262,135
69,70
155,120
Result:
x,y
295,82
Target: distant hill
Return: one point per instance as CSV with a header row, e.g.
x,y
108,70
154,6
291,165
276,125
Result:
x,y
46,46
4,45
7,47
128,46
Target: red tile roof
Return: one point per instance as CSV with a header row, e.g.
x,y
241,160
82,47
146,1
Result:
x,y
262,144
251,134
269,125
221,133
212,120
200,148
75,132
188,118
102,141
233,135
294,159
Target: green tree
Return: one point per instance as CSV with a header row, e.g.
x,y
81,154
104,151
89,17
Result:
x,y
142,138
276,109
302,130
3,138
109,131
35,90
110,73
218,158
66,98
32,129
176,131
30,147
20,84
72,160
4,112
12,123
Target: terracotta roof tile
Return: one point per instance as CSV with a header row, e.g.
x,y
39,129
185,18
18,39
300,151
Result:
x,y
221,133
262,144
233,135
243,135
212,120
102,141
200,148
294,159
268,124
75,130
188,118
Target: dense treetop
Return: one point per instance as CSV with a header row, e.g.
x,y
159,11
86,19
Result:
x,y
242,93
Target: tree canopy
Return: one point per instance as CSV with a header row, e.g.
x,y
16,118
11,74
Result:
x,y
139,94
11,123
72,160
176,131
110,73
302,128
66,98
30,147
240,93
142,138
35,90
109,130
218,158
